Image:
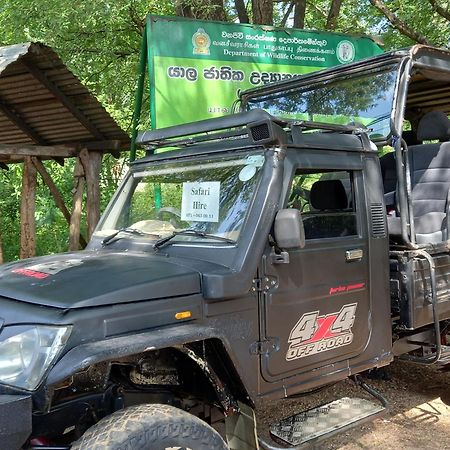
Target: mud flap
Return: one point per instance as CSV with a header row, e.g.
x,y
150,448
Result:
x,y
241,429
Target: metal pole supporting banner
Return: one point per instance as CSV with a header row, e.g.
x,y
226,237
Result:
x,y
139,94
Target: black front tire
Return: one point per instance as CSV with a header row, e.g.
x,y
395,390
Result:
x,y
150,427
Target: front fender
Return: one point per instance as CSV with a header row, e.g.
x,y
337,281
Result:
x,y
85,355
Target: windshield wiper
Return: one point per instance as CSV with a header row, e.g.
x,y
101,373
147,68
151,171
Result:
x,y
110,239
190,232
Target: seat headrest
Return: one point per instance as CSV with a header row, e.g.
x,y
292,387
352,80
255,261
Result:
x,y
328,194
434,125
410,137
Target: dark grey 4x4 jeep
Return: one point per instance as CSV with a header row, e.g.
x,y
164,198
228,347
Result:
x,y
251,262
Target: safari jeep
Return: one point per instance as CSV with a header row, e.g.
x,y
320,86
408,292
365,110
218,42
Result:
x,y
269,253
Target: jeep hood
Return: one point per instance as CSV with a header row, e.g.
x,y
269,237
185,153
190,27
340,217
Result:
x,y
83,279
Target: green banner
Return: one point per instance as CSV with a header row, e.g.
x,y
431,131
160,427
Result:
x,y
197,67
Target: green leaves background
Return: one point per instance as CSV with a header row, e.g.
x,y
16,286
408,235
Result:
x,y
99,41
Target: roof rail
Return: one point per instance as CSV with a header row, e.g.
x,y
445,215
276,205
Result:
x,y
261,128
164,137
308,124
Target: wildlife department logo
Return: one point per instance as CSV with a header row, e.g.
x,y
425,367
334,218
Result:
x,y
201,42
345,52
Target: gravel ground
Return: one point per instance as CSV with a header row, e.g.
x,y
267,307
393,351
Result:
x,y
418,415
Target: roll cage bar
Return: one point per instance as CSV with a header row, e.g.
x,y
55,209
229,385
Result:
x,y
433,63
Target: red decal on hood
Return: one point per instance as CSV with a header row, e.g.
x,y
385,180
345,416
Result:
x,y
31,273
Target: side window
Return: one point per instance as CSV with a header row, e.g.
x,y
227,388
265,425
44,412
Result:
x,y
326,201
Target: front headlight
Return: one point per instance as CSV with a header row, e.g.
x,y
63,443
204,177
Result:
x,y
27,352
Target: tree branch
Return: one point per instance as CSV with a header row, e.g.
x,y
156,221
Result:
x,y
287,14
201,9
399,24
216,10
445,13
183,10
333,14
137,21
314,6
241,11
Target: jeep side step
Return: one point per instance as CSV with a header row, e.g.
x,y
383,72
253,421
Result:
x,y
324,421
444,357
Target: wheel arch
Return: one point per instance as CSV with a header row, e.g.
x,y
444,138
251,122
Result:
x,y
208,351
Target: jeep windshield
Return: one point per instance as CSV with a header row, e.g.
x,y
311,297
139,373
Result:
x,y
197,201
365,99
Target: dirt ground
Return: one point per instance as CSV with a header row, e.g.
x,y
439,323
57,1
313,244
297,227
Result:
x,y
418,415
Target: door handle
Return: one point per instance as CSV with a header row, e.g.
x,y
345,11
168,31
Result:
x,y
354,255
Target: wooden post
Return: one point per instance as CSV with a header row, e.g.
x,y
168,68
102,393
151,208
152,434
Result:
x,y
92,162
55,193
75,218
27,210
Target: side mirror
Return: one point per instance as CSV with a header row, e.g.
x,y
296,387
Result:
x,y
289,231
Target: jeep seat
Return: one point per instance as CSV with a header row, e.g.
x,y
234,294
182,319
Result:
x,y
330,214
389,177
430,181
328,195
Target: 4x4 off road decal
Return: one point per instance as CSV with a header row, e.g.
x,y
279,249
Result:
x,y
314,334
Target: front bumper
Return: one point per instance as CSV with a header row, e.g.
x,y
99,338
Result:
x,y
15,421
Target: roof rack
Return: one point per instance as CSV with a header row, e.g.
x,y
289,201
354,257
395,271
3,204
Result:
x,y
258,125
308,124
163,137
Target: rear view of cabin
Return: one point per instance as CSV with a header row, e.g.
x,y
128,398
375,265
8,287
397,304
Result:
x,y
402,98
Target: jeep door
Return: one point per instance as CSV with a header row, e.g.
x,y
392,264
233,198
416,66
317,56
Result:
x,y
316,307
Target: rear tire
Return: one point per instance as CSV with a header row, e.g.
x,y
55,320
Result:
x,y
150,427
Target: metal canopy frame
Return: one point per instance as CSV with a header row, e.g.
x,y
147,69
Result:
x,y
431,69
422,56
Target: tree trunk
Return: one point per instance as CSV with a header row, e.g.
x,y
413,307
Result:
x,y
27,210
333,14
399,24
262,12
241,11
299,14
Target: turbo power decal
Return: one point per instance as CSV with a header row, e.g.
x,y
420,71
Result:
x,y
314,334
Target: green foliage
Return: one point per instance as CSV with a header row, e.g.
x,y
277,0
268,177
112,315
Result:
x,y
52,231
10,182
52,234
99,40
